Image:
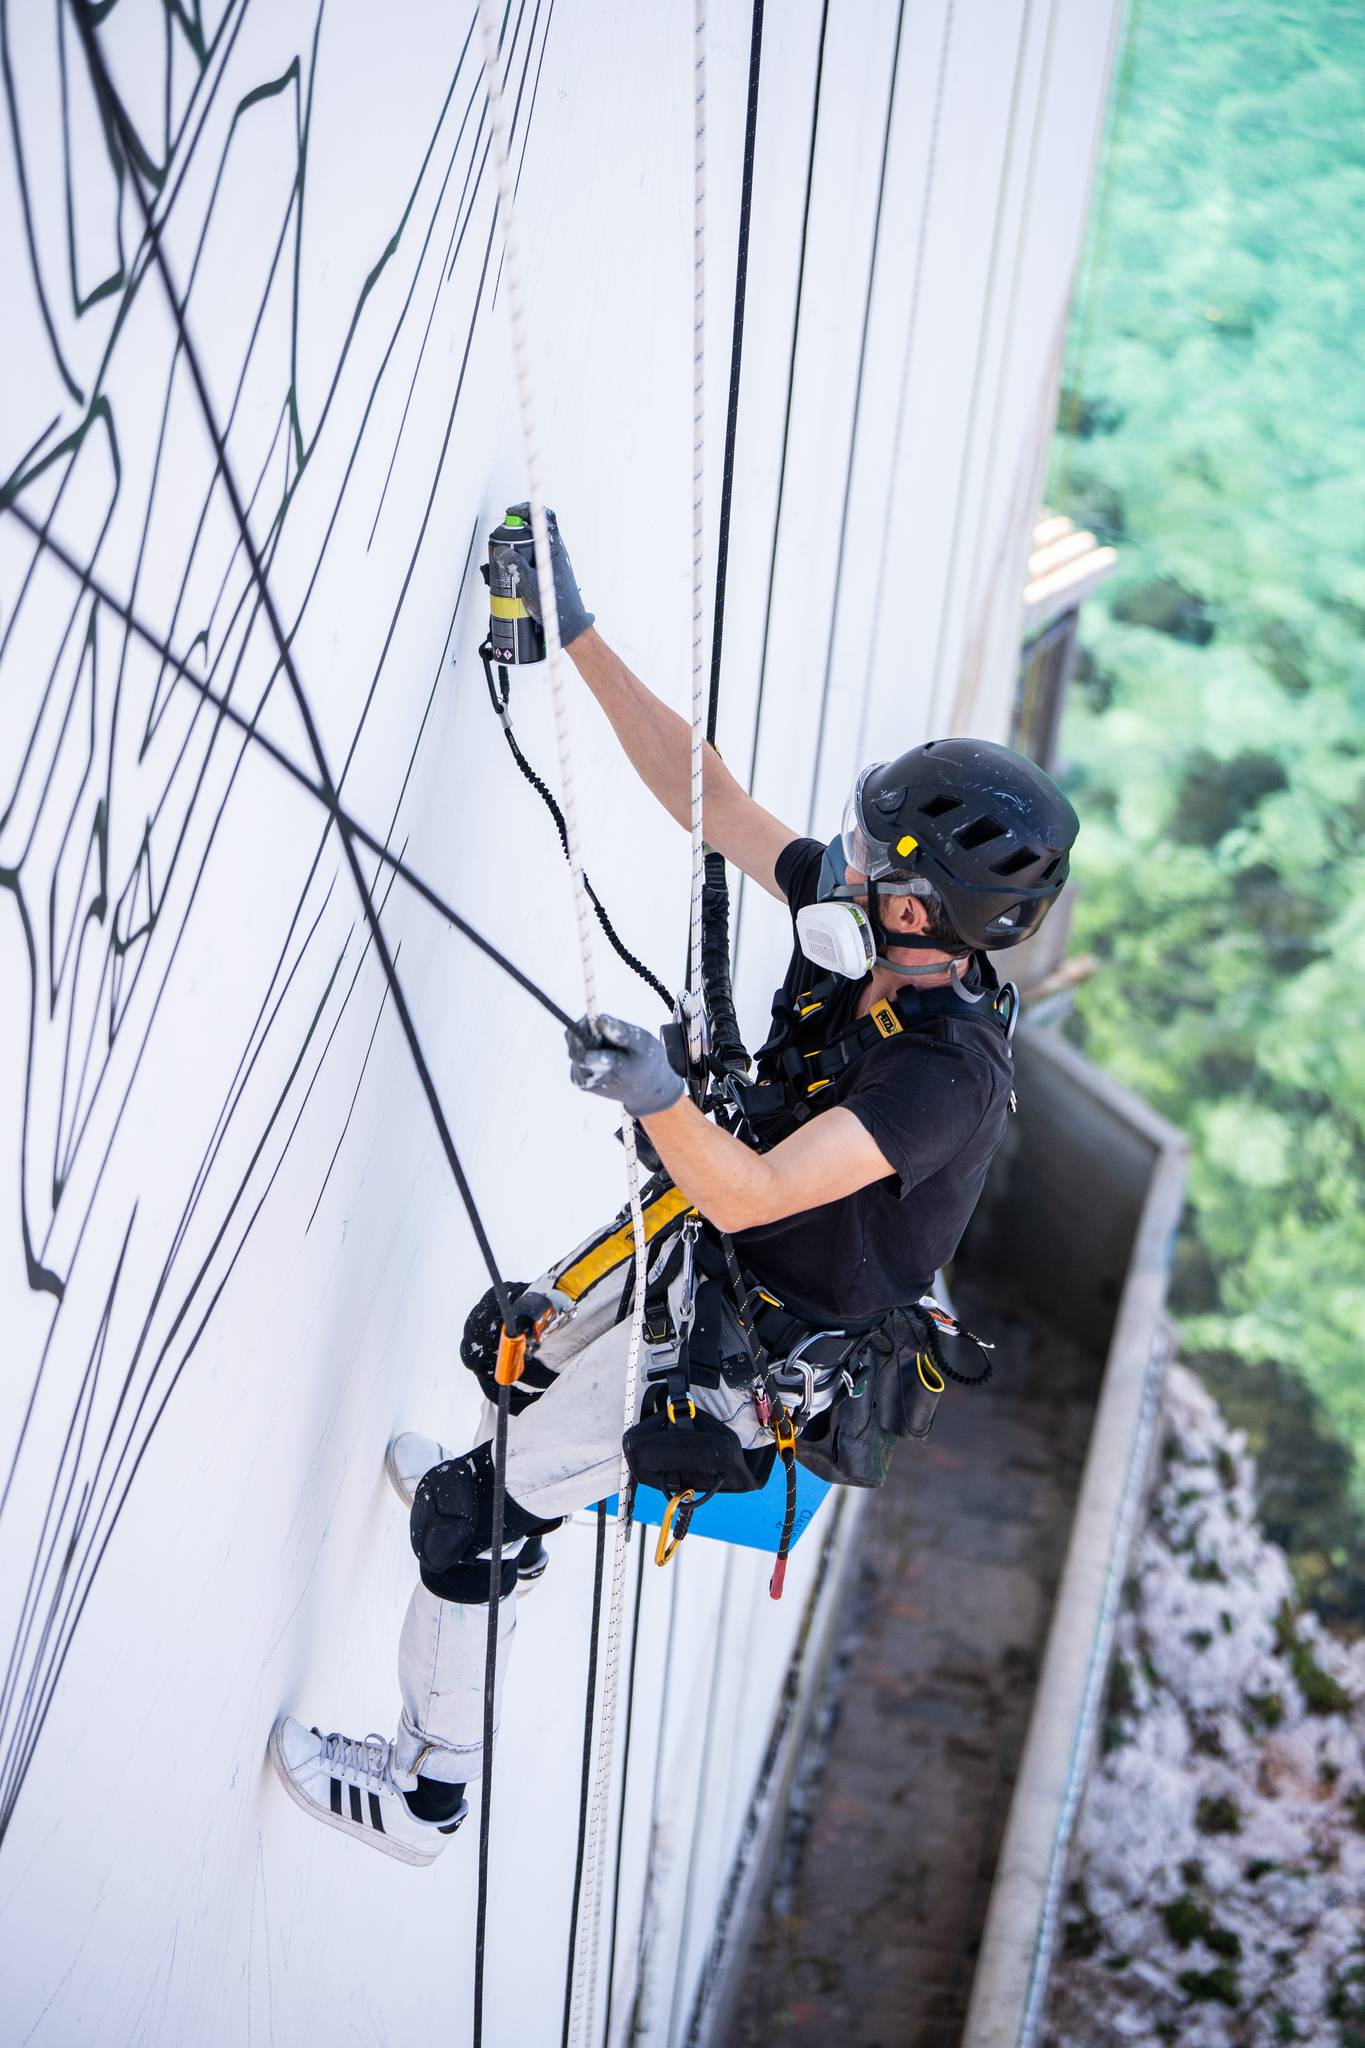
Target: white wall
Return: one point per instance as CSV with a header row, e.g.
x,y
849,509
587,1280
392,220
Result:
x,y
232,1259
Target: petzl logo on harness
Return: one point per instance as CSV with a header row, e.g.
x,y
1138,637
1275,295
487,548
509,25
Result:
x,y
885,1019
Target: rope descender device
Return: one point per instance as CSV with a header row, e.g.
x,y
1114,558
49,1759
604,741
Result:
x,y
528,1320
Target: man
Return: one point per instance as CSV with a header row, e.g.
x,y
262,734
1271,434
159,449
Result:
x,y
855,1187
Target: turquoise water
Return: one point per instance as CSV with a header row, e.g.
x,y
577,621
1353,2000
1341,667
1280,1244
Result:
x,y
1213,427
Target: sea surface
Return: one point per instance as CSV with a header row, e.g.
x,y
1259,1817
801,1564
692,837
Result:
x,y
1213,428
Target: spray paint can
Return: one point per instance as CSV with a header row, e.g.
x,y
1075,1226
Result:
x,y
514,637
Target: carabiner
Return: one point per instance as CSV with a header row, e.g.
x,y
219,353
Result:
x,y
687,1298
668,1543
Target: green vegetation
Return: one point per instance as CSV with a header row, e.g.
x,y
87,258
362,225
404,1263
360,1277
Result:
x,y
1218,1816
1321,1692
1213,426
1205,1986
1189,1920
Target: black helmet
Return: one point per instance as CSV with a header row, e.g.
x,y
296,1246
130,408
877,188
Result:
x,y
983,824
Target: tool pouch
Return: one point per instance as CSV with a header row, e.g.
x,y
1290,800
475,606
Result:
x,y
906,1383
697,1452
847,1445
852,1442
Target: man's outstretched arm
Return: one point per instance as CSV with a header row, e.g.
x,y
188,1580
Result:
x,y
658,744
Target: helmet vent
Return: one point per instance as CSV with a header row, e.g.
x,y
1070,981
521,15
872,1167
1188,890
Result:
x,y
1022,857
937,805
980,833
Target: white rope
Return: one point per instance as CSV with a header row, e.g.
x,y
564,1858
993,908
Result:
x,y
590,1902
606,1745
549,610
699,691
588,1964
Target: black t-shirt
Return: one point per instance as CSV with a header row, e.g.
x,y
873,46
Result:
x,y
936,1100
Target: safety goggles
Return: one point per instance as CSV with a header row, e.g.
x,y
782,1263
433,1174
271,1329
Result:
x,y
883,861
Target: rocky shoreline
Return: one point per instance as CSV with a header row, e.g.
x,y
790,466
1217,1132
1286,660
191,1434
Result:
x,y
1216,1895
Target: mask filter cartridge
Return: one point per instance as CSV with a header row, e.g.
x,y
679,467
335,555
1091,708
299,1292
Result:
x,y
837,937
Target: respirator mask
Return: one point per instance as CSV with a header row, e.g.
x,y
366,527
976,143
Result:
x,y
840,931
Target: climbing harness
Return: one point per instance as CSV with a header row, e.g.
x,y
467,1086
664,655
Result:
x,y
796,1065
699,1336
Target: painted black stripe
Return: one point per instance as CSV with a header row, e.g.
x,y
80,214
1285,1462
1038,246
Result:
x,y
376,1817
354,1791
119,120
336,1795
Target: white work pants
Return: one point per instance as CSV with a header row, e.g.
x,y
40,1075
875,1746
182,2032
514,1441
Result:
x,y
563,1452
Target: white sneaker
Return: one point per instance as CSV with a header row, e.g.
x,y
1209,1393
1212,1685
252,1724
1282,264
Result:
x,y
409,1458
349,1784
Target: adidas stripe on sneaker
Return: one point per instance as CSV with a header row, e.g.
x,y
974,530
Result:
x,y
347,1783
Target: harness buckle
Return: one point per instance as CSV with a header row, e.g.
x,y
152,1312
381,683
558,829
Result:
x,y
664,1358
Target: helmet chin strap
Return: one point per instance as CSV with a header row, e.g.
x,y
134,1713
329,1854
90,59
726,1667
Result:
x,y
910,942
936,967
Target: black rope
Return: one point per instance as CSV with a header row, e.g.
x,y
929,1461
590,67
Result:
x,y
544,791
788,408
746,194
857,401
585,1786
226,709
727,1044
490,1681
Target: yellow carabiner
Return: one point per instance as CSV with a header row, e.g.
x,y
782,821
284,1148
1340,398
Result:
x,y
667,1543
783,1430
925,1367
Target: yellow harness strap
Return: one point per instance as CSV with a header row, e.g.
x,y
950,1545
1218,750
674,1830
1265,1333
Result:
x,y
617,1246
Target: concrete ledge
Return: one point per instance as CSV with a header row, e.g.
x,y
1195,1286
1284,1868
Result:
x,y
1085,1216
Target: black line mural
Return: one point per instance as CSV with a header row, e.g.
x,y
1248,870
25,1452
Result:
x,y
119,765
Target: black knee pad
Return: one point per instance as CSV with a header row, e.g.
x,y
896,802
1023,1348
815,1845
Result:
x,y
479,1351
451,1523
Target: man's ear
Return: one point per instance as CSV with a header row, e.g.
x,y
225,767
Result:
x,y
902,913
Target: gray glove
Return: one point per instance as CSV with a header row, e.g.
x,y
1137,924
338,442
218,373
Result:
x,y
624,1062
574,617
